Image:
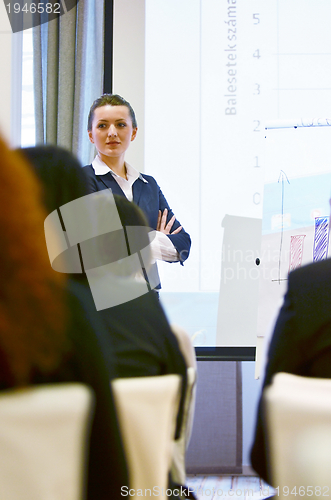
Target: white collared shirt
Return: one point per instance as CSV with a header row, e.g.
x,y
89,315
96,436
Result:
x,y
161,246
100,168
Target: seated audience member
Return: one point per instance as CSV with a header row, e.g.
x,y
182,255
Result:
x,y
45,333
145,345
62,181
301,341
140,341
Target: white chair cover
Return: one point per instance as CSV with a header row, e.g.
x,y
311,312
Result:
x,y
43,432
147,408
298,413
178,468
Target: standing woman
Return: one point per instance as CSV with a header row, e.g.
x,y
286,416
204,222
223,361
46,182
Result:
x,y
111,127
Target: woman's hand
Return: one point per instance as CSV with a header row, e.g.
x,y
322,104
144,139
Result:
x,y
162,225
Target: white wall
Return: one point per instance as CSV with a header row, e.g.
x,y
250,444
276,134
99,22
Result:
x,y
129,67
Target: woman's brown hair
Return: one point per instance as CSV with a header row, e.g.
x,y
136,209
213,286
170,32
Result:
x,y
111,100
32,317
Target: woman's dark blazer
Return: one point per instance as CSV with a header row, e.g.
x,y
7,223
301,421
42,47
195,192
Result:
x,y
149,197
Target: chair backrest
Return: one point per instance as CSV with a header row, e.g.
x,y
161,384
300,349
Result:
x,y
185,345
147,408
298,416
43,432
178,467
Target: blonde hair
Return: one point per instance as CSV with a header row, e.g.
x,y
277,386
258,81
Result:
x,y
32,316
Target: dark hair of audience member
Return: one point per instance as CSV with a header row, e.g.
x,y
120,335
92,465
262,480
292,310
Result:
x,y
64,180
62,177
32,319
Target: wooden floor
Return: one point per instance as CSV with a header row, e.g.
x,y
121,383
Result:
x,y
235,487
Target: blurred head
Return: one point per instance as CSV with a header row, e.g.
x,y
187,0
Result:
x,y
32,337
111,100
119,260
128,236
63,179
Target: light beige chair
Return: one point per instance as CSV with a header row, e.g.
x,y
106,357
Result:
x,y
43,431
185,345
147,408
178,469
298,415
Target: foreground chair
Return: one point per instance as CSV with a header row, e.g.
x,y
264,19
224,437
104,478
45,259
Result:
x,y
147,409
43,431
178,468
298,417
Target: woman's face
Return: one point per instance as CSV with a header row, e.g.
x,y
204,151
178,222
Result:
x,y
112,130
